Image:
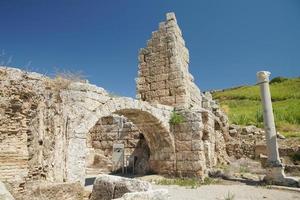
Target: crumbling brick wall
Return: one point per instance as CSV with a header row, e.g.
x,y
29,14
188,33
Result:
x,y
163,74
30,126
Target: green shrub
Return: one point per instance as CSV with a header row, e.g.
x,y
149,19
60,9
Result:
x,y
176,118
296,157
278,79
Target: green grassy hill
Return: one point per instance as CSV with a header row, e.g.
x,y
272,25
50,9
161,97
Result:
x,y
243,105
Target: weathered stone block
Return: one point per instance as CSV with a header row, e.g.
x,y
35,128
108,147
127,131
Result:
x,y
183,145
4,193
107,187
197,145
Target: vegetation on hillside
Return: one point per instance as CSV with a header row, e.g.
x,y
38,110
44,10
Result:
x,y
243,105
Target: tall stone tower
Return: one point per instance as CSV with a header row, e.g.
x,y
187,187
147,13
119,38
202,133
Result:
x,y
163,75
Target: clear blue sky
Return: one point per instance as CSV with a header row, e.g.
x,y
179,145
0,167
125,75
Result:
x,y
229,41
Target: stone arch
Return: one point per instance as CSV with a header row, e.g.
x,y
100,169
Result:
x,y
159,139
152,120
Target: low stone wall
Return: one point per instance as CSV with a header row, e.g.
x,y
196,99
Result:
x,y
243,141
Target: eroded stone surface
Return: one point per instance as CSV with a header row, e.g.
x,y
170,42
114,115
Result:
x,y
52,191
4,193
159,194
163,68
107,187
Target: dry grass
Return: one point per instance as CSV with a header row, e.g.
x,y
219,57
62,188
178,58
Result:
x,y
64,78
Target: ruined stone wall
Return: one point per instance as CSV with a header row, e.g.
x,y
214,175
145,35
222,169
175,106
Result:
x,y
199,142
53,129
111,130
31,142
164,77
80,102
39,117
163,74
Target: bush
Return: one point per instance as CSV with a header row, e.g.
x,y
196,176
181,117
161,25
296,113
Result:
x,y
296,157
176,118
278,79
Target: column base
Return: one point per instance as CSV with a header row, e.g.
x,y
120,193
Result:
x,y
276,176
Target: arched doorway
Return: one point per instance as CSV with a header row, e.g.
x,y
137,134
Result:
x,y
159,141
152,121
112,130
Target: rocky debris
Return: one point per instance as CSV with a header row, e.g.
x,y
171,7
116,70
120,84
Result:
x,y
4,193
243,169
243,140
292,169
233,132
280,136
107,187
250,130
217,173
159,194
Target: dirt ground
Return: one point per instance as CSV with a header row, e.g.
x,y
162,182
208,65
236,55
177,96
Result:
x,y
224,190
228,192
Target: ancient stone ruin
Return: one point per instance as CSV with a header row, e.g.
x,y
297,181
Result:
x,y
58,130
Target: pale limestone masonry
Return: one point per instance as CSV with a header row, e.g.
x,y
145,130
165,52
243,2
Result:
x,y
163,69
30,122
116,129
52,130
56,134
107,187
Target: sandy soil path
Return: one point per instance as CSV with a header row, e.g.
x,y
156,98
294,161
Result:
x,y
220,192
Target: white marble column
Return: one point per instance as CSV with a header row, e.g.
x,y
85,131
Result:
x,y
269,124
275,170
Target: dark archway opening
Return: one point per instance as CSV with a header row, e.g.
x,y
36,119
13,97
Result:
x,y
109,131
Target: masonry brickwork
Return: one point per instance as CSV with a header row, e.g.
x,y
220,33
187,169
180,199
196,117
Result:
x,y
163,74
56,130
